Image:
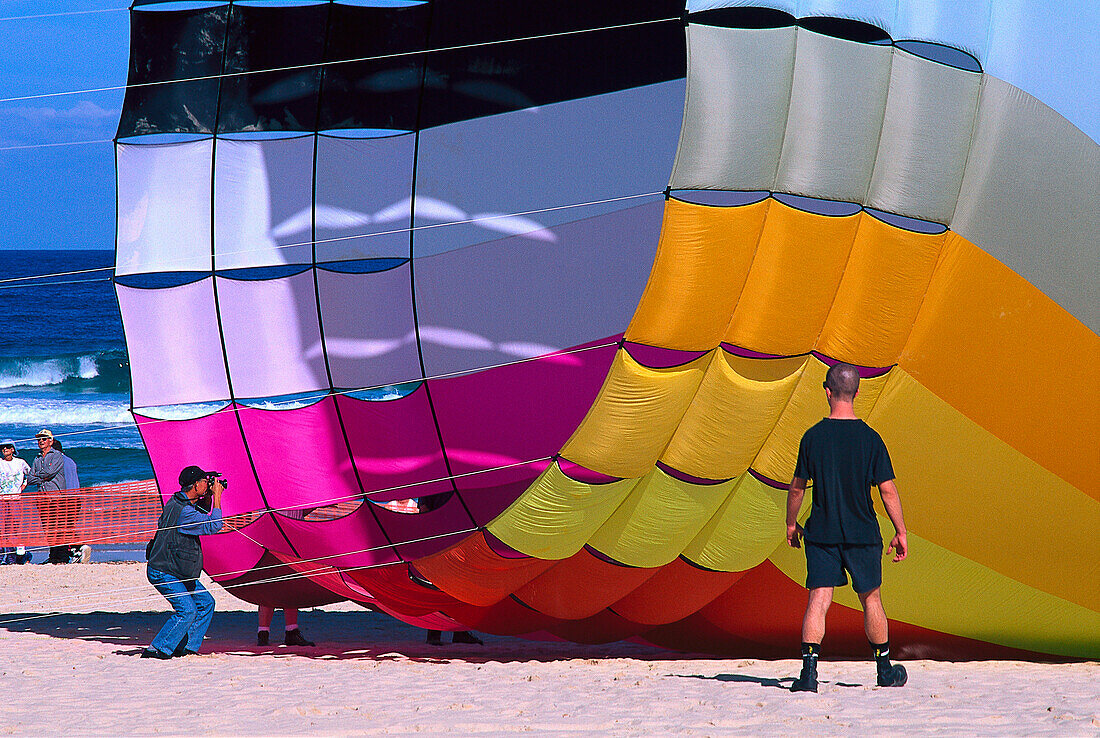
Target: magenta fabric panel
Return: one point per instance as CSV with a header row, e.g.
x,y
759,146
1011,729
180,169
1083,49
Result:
x,y
369,332
173,343
231,554
518,413
502,549
394,443
574,470
300,455
211,442
401,527
657,357
271,335
515,297
349,542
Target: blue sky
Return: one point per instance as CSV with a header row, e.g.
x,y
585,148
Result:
x,y
60,197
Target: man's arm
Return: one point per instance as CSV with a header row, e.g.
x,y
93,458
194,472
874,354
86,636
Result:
x,y
795,493
46,468
891,500
195,523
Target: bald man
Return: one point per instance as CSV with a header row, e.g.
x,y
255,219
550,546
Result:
x,y
844,457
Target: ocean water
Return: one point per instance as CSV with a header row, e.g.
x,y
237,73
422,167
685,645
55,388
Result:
x,y
63,364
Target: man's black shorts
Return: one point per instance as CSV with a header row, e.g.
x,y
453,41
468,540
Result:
x,y
826,564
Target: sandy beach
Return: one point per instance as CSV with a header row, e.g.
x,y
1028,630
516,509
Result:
x,y
78,673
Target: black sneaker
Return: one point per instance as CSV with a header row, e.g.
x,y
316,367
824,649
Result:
x,y
435,638
152,653
261,638
895,676
295,638
806,682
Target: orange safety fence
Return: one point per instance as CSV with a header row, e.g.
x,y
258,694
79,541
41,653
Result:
x,y
115,513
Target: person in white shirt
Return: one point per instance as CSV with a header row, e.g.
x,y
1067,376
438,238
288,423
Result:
x,y
13,480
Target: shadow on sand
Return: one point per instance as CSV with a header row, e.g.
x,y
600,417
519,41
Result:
x,y
362,635
784,683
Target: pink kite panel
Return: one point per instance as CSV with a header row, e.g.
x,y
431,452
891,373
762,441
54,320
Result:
x,y
300,455
231,554
212,442
426,533
395,446
519,413
353,541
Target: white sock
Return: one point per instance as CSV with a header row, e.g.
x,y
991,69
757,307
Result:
x,y
262,629
20,550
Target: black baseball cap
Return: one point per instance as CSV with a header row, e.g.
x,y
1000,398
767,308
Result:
x,y
192,474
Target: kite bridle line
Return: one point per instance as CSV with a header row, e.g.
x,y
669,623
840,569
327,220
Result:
x,y
237,517
330,393
356,60
7,282
281,578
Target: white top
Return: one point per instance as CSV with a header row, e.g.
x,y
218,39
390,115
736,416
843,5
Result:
x,y
12,474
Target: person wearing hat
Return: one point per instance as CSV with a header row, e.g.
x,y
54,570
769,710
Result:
x,y
69,509
48,472
13,480
175,562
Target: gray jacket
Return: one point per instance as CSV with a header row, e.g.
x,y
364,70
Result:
x,y
48,472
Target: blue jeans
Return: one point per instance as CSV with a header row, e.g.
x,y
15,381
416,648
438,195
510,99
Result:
x,y
194,609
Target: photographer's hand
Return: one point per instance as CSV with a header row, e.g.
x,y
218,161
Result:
x,y
218,489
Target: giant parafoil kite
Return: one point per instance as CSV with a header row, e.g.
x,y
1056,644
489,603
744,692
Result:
x,y
569,275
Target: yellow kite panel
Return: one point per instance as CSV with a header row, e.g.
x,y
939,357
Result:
x,y
972,493
702,258
734,411
996,348
938,589
634,416
793,280
557,515
657,518
880,294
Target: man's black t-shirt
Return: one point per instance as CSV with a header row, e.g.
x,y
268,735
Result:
x,y
844,458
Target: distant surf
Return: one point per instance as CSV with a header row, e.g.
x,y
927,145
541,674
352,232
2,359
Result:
x,y
107,371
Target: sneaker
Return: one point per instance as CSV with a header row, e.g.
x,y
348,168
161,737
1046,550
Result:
x,y
84,554
262,638
895,676
806,682
26,558
295,638
152,653
465,636
435,638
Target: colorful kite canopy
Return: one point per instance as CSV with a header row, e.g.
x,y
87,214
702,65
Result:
x,y
374,251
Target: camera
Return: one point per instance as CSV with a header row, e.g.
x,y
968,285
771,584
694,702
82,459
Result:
x,y
205,503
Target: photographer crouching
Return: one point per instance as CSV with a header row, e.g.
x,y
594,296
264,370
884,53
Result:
x,y
175,562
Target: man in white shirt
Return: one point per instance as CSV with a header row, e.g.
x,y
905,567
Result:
x,y
13,480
